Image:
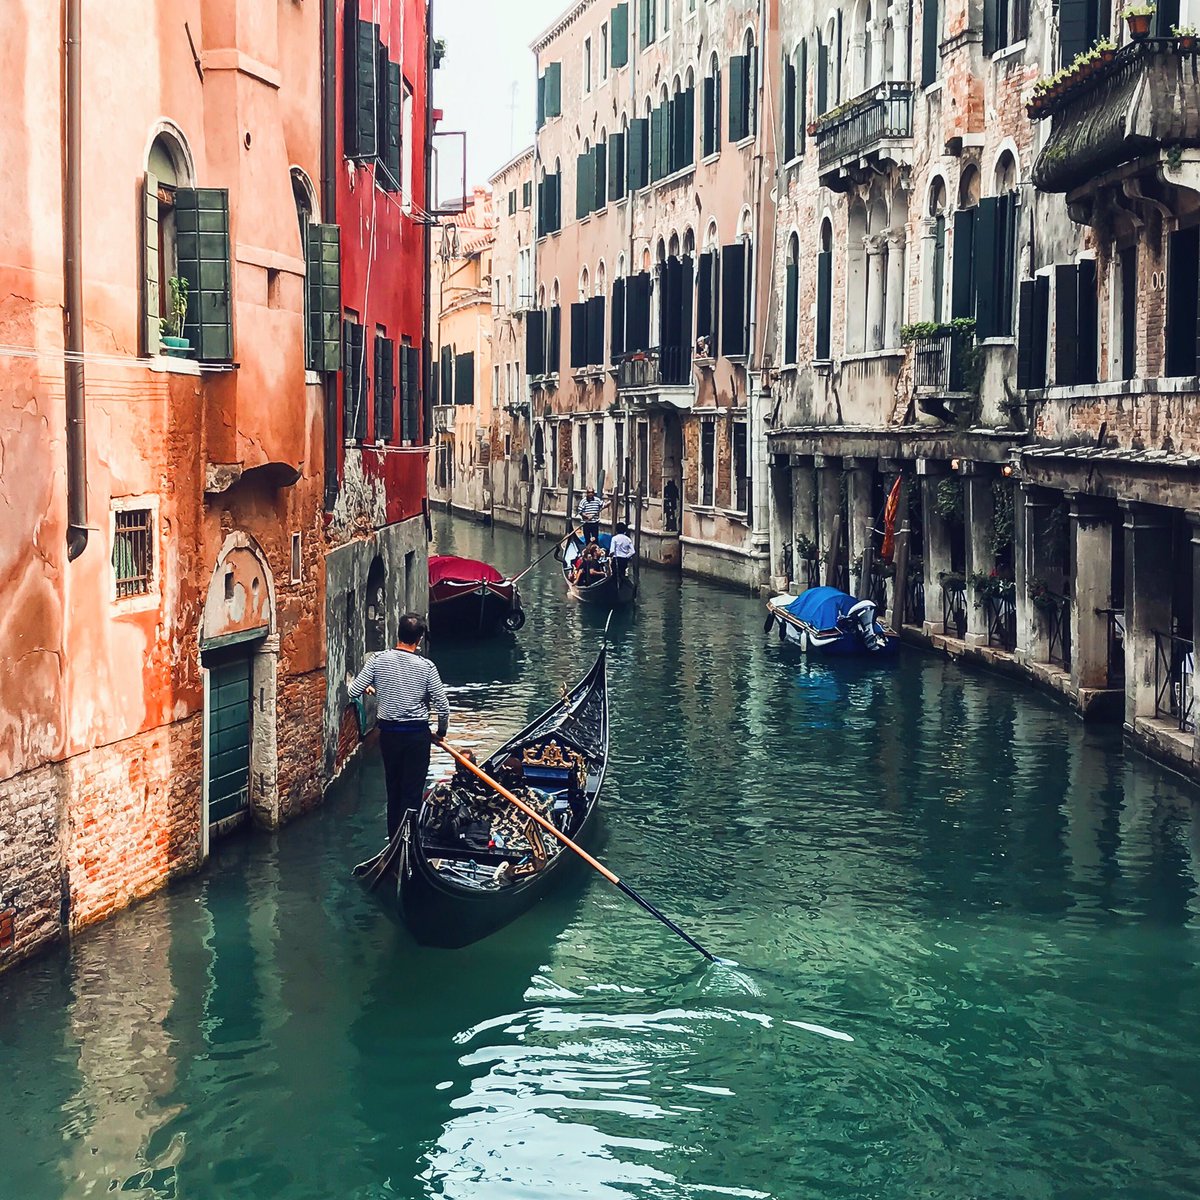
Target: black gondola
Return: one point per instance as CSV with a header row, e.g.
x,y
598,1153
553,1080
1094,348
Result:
x,y
607,591
450,886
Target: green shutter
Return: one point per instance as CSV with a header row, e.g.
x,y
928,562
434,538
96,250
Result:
x,y
464,378
541,101
385,388
789,110
733,300
150,281
791,300
739,98
354,383
659,133
583,196
824,304
535,342
931,37
389,123
617,320
410,394
618,27
361,127
579,335
822,76
1089,319
554,90
1074,24
1025,337
639,154
802,98
600,175
1066,325
962,284
202,240
991,37
616,166
645,23
986,260
324,284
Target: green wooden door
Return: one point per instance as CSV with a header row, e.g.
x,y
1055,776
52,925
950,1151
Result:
x,y
228,740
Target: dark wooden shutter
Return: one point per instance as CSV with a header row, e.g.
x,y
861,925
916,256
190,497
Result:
x,y
324,283
579,335
410,393
986,256
931,30
658,142
637,313
617,320
361,101
824,303
836,82
1087,370
618,36
1025,337
599,176
790,314
687,303
354,383
527,193
646,29
1073,25
541,101
822,97
789,110
151,329
1006,262
991,31
1183,310
553,90
385,387
595,331
733,300
1040,331
535,342
464,378
202,243
802,99
669,301
739,98
554,341
962,284
389,123
639,154
717,102
616,166
584,185
704,291
710,117
447,375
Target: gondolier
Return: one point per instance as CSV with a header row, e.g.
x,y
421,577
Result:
x,y
588,511
408,689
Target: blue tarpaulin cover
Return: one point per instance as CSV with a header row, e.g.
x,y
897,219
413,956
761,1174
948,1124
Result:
x,y
820,607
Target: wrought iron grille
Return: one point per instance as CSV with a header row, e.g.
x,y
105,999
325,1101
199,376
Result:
x,y
1116,645
1057,614
954,610
665,366
1001,614
914,600
883,113
1174,673
133,552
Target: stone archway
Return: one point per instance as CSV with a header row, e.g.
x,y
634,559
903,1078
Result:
x,y
239,652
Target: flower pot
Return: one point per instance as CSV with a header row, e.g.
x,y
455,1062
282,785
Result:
x,y
1187,44
1106,56
1139,26
176,347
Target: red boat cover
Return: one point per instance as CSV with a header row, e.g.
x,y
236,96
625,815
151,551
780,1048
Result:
x,y
444,567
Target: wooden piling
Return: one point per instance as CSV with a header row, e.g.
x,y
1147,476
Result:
x,y
834,552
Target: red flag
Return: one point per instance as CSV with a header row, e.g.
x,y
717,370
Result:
x,y
889,520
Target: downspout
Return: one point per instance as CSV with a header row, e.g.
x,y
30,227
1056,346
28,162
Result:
x,y
427,227
329,81
76,431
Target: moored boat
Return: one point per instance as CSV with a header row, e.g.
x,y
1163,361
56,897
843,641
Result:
x,y
825,620
468,598
470,862
606,591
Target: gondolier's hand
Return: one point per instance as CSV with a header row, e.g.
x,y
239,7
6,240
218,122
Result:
x,y
370,689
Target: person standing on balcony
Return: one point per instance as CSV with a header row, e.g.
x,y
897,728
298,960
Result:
x,y
588,511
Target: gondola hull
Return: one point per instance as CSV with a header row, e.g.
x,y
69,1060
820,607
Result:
x,y
606,592
473,609
442,912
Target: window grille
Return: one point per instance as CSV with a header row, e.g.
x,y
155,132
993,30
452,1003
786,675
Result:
x,y
133,553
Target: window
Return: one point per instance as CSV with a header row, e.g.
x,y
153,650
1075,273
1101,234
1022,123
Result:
x,y
297,565
666,14
362,82
408,149
512,203
385,387
587,65
583,454
741,468
711,134
464,378
638,151
936,246
737,265
985,260
708,306
931,42
824,293
708,434
599,435
1124,323
603,51
1183,307
354,381
1006,22
618,52
1033,332
375,623
791,300
1076,319
527,193
390,115
133,552
743,77
616,165
549,93
647,22
1082,22
410,393
322,291
682,126
550,202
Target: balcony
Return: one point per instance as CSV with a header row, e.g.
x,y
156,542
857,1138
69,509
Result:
x,y
873,130
944,372
1146,99
664,373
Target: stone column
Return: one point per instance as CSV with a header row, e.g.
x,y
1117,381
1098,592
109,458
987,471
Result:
x,y
1033,504
896,291
783,569
877,31
829,509
928,252
1091,553
901,15
860,476
979,526
875,292
858,56
1148,595
804,516
936,550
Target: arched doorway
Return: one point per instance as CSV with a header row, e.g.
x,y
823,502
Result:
x,y
376,607
672,471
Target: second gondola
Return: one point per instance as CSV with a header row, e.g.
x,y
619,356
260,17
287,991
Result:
x,y
600,588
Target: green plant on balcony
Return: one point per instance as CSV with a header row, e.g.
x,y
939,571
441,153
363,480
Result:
x,y
806,548
1186,36
952,581
1042,596
921,331
171,326
1138,17
439,52
991,585
948,499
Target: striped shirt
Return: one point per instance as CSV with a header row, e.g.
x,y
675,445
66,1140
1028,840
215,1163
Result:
x,y
408,687
589,510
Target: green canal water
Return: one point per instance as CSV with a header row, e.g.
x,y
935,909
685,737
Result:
x,y
968,933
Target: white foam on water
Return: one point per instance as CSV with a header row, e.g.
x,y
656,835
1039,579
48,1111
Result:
x,y
823,1030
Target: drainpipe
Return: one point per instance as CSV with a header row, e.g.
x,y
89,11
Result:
x,y
329,165
77,512
427,226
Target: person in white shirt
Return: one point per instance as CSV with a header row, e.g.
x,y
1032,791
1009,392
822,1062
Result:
x,y
621,552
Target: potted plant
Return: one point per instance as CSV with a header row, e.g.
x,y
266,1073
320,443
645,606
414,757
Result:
x,y
1137,17
1186,35
171,326
1107,48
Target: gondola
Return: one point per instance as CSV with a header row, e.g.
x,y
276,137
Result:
x,y
455,878
606,592
826,621
468,598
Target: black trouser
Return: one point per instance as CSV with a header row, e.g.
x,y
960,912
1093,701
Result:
x,y
591,531
405,765
620,569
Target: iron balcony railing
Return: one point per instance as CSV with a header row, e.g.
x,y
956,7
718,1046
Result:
x,y
939,363
1056,610
881,114
954,609
664,366
1174,674
914,600
1001,612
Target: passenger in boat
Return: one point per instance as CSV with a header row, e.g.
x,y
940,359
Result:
x,y
409,690
588,511
621,552
593,564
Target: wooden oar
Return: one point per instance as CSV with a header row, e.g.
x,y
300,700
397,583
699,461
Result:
x,y
541,556
554,831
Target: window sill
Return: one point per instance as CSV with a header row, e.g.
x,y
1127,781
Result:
x,y
747,141
131,605
675,177
1009,51
1003,340
794,161
709,159
312,377
166,364
934,87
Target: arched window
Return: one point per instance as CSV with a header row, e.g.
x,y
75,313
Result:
x,y
936,246
708,290
376,607
791,300
794,96
601,279
824,291
710,141
583,284
168,169
743,91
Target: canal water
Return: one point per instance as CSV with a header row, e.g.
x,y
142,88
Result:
x,y
967,929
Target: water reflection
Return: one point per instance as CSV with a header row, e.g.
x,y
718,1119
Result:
x,y
993,902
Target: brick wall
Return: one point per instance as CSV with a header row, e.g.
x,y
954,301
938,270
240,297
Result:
x,y
300,712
